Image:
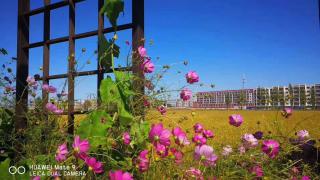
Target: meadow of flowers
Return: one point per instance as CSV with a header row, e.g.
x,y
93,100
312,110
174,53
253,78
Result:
x,y
116,141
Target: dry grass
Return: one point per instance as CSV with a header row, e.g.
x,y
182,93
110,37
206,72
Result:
x,y
217,120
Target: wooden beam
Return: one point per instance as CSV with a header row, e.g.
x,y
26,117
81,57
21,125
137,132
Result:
x,y
138,40
46,52
78,36
22,66
71,67
100,33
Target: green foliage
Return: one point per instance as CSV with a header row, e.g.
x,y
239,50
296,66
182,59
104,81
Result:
x,y
95,128
140,133
3,51
112,9
6,130
4,172
107,50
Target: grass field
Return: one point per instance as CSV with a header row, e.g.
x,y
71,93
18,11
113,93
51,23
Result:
x,y
217,120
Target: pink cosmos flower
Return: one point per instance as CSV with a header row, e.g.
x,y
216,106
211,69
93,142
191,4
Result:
x,y
94,165
9,89
207,133
257,170
180,136
48,88
146,103
162,109
162,150
126,138
198,128
61,153
305,178
36,178
120,175
147,66
205,153
287,112
235,120
242,149
185,94
249,141
226,150
159,134
199,139
194,173
271,148
80,146
32,82
53,108
303,134
142,51
143,161
192,77
178,155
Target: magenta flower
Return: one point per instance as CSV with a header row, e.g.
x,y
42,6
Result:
x,y
207,133
80,146
9,89
178,155
192,77
36,178
305,178
206,155
147,66
303,134
162,109
185,94
94,165
226,150
48,88
249,141
53,108
180,136
199,139
126,138
194,173
162,150
143,161
257,170
32,82
235,120
159,134
287,112
146,103
142,51
198,128
61,153
271,148
120,175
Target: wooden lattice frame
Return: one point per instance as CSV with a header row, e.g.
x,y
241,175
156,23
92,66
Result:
x,y
23,47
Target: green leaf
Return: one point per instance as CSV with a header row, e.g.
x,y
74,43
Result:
x,y
109,92
94,128
4,172
112,9
105,51
140,132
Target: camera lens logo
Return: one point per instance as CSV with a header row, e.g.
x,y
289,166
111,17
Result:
x,y
19,170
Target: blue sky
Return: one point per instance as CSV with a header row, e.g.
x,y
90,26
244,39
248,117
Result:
x,y
272,42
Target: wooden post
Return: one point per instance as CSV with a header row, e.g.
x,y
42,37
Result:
x,y
46,51
22,65
100,33
138,40
71,67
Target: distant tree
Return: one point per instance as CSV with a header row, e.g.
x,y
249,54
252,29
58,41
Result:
x,y
227,100
242,99
275,96
303,98
313,98
290,94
